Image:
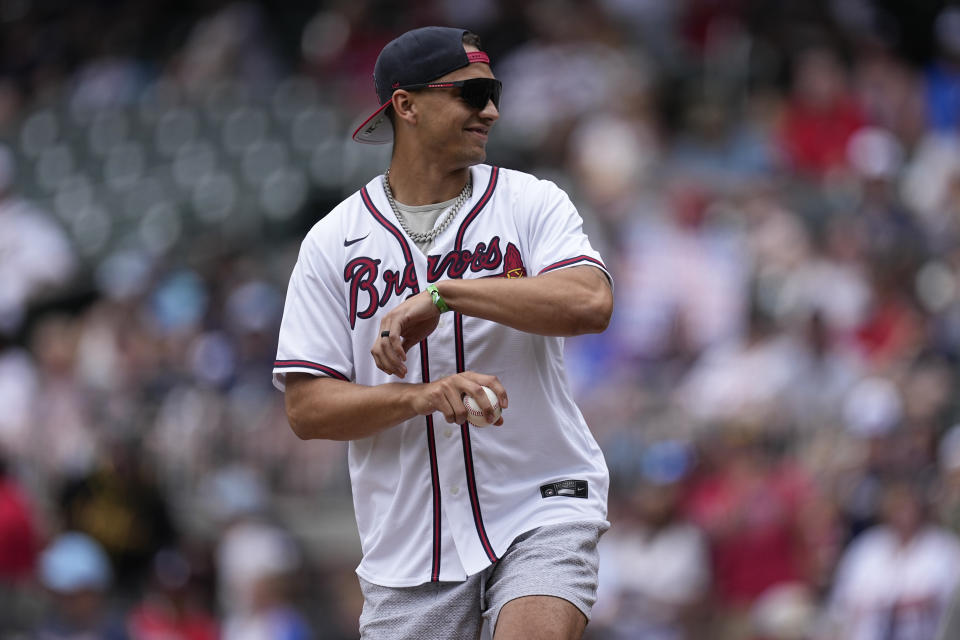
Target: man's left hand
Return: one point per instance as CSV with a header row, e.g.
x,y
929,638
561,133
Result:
x,y
408,324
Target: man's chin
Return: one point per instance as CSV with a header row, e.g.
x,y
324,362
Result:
x,y
478,156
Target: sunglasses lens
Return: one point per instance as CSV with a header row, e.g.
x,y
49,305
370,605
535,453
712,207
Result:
x,y
495,93
478,91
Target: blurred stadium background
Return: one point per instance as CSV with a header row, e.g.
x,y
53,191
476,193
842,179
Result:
x,y
775,186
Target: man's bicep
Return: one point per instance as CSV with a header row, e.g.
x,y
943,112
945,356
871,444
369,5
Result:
x,y
598,275
296,380
305,393
301,384
582,274
298,386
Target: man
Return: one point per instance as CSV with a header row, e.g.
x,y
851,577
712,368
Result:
x,y
439,277
896,579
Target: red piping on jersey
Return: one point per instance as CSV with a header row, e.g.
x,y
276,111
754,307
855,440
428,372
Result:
x,y
491,185
379,217
472,486
569,261
304,364
425,372
461,367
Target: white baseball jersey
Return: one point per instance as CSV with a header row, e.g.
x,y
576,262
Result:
x,y
436,501
887,589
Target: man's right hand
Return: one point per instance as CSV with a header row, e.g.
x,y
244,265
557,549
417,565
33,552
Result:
x,y
446,396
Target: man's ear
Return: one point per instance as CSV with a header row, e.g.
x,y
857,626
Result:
x,y
404,106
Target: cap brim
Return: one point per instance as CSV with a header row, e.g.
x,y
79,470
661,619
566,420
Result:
x,y
376,129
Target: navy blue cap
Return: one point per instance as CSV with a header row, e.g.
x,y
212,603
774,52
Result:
x,y
416,57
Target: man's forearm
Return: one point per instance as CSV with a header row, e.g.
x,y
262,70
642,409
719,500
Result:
x,y
566,302
331,409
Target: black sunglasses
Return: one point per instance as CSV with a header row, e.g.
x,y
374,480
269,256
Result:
x,y
476,92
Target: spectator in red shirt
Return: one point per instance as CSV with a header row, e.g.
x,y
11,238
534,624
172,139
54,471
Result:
x,y
820,116
18,536
751,506
173,608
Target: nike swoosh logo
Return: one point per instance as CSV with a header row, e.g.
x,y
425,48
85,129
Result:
x,y
347,243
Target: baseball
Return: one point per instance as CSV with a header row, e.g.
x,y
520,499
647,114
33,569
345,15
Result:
x,y
475,414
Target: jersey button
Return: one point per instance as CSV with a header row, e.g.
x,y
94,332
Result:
x,y
448,432
454,490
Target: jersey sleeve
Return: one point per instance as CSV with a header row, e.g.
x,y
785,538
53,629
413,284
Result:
x,y
314,331
556,239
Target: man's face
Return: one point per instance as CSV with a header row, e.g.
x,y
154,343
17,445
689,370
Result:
x,y
448,127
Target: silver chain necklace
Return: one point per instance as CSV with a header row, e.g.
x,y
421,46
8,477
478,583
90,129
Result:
x,y
438,228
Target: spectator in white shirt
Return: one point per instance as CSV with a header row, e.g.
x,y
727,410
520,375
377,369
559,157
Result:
x,y
895,580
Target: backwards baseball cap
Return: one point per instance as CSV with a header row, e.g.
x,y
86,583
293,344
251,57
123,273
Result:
x,y
416,57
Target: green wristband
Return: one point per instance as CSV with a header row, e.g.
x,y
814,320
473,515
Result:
x,y
437,299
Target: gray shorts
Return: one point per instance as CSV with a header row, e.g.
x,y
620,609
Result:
x,y
555,560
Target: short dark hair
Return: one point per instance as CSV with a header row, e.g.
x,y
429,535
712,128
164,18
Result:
x,y
471,39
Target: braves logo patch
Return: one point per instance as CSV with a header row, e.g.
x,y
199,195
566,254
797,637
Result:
x,y
513,263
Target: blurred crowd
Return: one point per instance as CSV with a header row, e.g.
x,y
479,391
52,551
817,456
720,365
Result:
x,y
775,187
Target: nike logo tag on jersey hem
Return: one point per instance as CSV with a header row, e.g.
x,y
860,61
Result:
x,y
347,243
565,489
